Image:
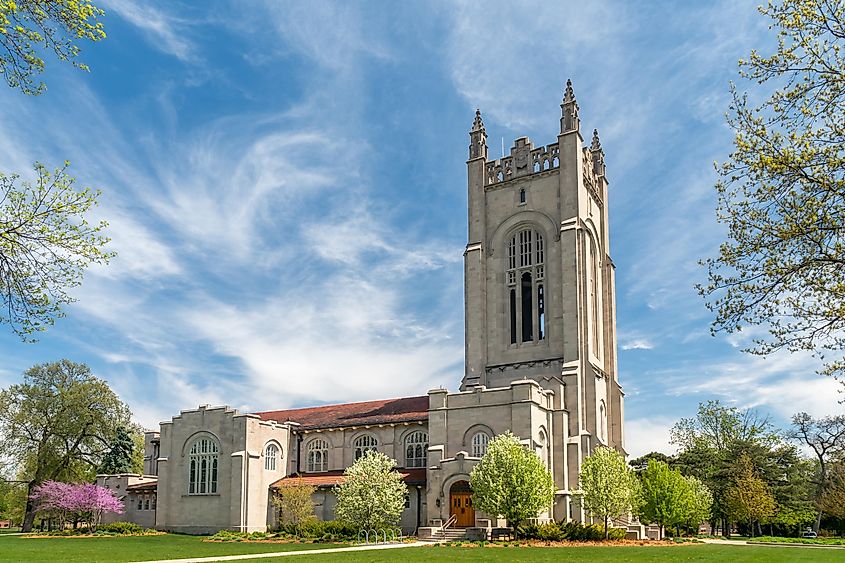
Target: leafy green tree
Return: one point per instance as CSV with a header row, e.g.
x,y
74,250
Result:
x,y
511,481
46,243
60,419
748,498
372,494
640,463
608,486
664,495
294,501
782,190
28,27
833,499
826,437
118,458
698,503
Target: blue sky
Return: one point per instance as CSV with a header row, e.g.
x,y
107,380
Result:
x,y
286,189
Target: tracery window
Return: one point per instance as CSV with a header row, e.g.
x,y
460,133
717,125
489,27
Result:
x,y
202,467
543,448
525,280
271,452
603,422
363,444
416,446
479,444
595,308
318,456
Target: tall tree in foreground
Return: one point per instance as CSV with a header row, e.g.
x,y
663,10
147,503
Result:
x,y
608,486
293,499
372,494
46,243
664,494
826,437
119,457
782,191
28,27
511,481
60,418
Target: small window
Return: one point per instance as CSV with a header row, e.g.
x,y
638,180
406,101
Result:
x,y
416,447
522,195
147,504
318,456
407,501
140,504
363,444
270,455
479,444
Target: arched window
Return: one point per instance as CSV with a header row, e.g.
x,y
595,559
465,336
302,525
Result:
x,y
318,456
271,452
363,444
594,289
525,275
416,446
202,467
543,447
479,444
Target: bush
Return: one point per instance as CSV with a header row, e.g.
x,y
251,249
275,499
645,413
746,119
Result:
x,y
124,528
322,531
568,531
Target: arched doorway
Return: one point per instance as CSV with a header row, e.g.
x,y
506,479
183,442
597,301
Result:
x,y
460,504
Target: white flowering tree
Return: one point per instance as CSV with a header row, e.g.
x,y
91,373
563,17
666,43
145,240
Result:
x,y
511,481
608,486
372,494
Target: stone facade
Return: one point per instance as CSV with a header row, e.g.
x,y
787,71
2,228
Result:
x,y
540,362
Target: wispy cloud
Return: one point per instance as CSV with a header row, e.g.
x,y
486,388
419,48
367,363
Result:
x,y
637,344
164,31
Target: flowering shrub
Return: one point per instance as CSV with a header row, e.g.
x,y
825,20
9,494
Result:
x,y
75,501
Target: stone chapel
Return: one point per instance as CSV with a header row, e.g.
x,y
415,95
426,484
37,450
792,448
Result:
x,y
540,339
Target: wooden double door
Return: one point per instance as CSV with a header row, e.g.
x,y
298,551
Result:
x,y
461,507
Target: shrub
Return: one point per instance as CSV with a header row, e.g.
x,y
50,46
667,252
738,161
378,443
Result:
x,y
323,531
125,528
568,531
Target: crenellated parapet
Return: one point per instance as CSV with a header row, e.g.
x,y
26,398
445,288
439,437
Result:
x,y
524,160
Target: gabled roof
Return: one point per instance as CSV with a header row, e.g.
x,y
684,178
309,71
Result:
x,y
146,487
387,411
332,478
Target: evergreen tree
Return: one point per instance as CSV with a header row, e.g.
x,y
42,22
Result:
x,y
119,457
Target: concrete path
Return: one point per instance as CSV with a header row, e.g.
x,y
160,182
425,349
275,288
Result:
x,y
769,544
288,553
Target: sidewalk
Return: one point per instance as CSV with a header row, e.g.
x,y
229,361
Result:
x,y
769,544
288,553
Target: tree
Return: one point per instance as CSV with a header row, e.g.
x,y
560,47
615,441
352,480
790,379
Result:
x,y
85,502
45,245
698,503
782,191
826,437
607,485
372,494
749,499
833,499
59,419
28,26
664,495
293,499
118,458
511,481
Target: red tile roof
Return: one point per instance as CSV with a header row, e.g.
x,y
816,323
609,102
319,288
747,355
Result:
x,y
331,478
407,409
149,486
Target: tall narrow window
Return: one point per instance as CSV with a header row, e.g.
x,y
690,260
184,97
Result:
x,y
527,317
363,444
541,313
416,446
318,456
202,467
270,455
522,195
603,422
594,299
526,270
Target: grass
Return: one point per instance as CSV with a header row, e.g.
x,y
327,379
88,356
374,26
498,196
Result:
x,y
808,541
171,546
136,548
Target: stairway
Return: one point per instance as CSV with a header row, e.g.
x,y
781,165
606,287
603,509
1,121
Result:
x,y
453,534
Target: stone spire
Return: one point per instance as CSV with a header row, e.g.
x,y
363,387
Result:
x,y
598,154
478,138
569,120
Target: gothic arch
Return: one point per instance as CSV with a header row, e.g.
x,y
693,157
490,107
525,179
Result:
x,y
539,221
189,441
466,441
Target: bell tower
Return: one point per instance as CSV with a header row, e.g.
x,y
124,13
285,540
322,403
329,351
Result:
x,y
539,280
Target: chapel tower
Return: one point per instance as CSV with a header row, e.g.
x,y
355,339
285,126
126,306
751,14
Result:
x,y
539,280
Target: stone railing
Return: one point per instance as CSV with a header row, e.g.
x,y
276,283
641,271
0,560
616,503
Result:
x,y
509,167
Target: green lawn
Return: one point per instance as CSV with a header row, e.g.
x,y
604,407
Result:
x,y
145,548
138,548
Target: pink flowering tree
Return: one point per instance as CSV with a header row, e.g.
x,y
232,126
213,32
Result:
x,y
83,501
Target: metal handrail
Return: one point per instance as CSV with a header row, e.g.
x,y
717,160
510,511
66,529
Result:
x,y
450,522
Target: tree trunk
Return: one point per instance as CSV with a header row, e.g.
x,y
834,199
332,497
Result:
x,y
726,528
818,523
29,511
605,527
